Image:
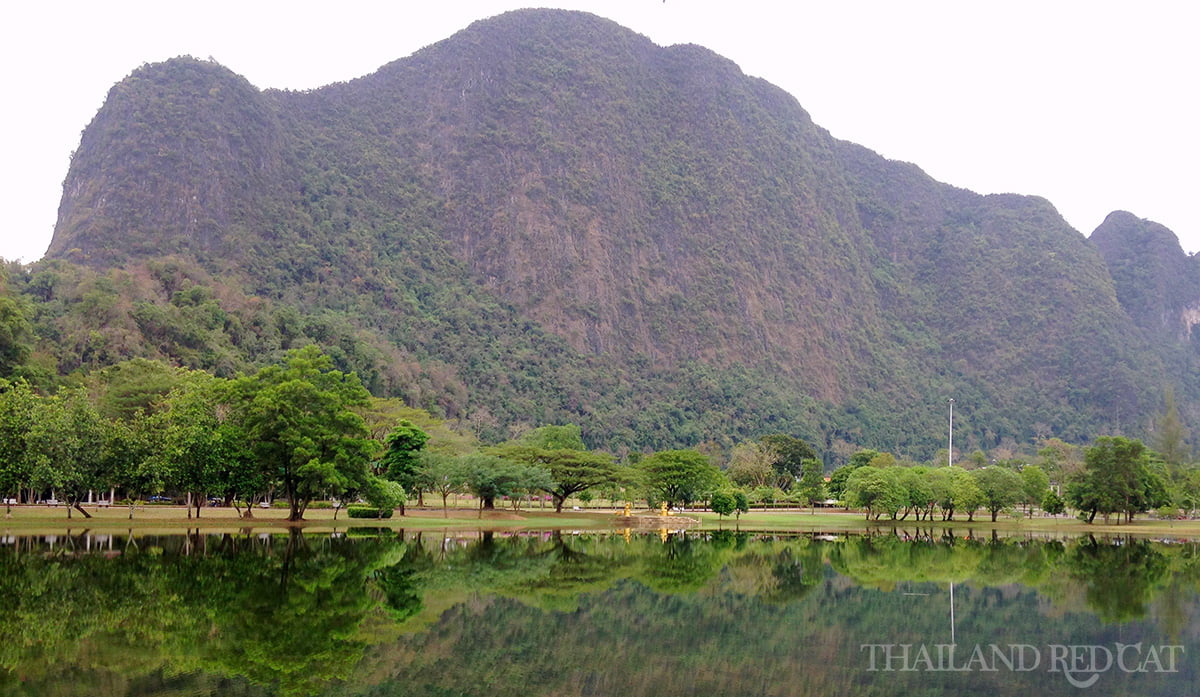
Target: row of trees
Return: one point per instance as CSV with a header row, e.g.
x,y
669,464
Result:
x,y
290,429
1118,476
302,431
922,492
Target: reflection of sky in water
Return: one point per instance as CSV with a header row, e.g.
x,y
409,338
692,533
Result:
x,y
381,613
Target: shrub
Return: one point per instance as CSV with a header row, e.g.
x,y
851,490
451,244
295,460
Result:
x,y
368,512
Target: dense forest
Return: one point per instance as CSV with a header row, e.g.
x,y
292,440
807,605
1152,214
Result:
x,y
547,218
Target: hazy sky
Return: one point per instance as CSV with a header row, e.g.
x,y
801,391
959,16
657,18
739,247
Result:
x,y
1091,104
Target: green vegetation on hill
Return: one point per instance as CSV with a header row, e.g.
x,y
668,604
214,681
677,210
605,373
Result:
x,y
548,219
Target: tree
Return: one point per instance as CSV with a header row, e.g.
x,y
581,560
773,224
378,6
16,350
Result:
x,y
722,503
968,496
876,491
133,448
1170,435
400,460
919,490
1060,460
201,451
383,494
15,333
1000,486
135,386
17,402
812,481
298,417
67,446
1034,485
490,477
565,437
752,465
679,476
791,454
837,479
1052,503
741,503
382,414
1117,478
440,473
941,484
571,471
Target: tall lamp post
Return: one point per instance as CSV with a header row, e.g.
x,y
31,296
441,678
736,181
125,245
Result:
x,y
950,450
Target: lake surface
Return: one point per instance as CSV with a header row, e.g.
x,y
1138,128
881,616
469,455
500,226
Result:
x,y
394,613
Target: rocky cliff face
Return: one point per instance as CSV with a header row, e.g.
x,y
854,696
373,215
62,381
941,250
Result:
x,y
1157,284
653,209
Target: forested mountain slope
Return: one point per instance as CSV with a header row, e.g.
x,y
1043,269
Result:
x,y
555,219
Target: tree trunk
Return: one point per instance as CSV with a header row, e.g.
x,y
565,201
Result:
x,y
488,503
558,503
79,508
296,512
994,515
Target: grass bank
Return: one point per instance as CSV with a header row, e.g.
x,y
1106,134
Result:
x,y
165,519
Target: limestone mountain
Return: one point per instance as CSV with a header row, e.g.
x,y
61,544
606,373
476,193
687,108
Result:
x,y
566,222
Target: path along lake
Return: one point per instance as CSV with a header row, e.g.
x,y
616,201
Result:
x,y
387,612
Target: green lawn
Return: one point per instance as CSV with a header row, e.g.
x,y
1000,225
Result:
x,y
154,518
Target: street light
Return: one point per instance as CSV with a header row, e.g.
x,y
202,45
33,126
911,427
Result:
x,y
950,451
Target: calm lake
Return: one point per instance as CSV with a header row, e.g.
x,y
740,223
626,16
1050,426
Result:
x,y
706,614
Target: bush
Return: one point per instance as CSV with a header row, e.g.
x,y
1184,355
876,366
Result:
x,y
368,512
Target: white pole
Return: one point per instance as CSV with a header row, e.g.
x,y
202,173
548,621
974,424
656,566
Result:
x,y
950,453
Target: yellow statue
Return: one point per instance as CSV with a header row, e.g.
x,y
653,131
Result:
x,y
663,511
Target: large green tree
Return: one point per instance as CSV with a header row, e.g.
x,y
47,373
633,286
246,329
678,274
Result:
x,y
299,419
812,481
401,459
204,451
1001,488
876,490
790,455
1117,478
17,401
1034,485
67,446
490,477
679,476
560,450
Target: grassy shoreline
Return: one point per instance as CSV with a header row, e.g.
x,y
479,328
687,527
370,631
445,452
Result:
x,y
155,519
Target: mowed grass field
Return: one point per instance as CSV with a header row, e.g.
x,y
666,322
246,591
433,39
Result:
x,y
146,519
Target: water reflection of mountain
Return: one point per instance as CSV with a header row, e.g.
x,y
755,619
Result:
x,y
550,614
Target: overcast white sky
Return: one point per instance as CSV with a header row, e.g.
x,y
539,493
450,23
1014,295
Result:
x,y
1094,105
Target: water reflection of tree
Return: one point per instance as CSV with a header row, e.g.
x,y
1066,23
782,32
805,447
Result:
x,y
278,612
1119,579
295,614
